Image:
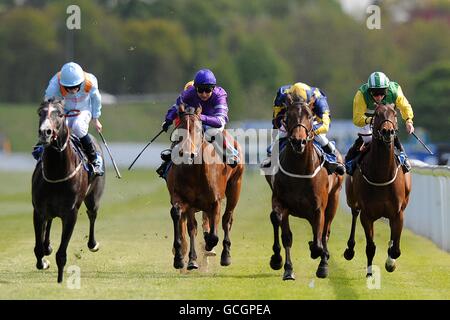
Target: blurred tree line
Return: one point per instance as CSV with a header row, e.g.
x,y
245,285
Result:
x,y
253,46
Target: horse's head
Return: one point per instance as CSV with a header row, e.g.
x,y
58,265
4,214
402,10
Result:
x,y
385,123
298,123
189,133
51,121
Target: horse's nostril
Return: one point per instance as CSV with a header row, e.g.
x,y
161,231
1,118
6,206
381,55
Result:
x,y
48,132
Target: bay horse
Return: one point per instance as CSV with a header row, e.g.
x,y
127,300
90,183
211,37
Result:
x,y
379,188
199,183
60,185
302,188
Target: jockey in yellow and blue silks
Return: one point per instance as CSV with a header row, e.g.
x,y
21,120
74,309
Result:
x,y
322,120
378,89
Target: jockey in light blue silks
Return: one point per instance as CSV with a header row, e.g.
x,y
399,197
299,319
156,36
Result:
x,y
321,125
214,116
79,90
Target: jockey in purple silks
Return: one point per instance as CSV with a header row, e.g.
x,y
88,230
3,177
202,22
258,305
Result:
x,y
213,100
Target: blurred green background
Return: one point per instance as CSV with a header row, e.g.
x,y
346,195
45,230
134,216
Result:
x,y
154,47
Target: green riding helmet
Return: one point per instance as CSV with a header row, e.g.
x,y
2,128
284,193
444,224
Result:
x,y
378,80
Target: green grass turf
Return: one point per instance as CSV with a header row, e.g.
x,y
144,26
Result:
x,y
134,229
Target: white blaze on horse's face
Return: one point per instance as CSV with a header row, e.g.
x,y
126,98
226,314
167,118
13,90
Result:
x,y
46,127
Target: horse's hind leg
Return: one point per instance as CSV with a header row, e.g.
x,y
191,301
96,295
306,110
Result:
x,y
394,245
232,193
370,244
47,247
276,260
68,223
91,201
212,238
192,229
39,226
349,253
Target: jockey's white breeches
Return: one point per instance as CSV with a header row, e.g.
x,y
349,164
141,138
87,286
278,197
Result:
x,y
366,130
79,125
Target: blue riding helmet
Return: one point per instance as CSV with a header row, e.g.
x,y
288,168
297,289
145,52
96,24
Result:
x,y
203,77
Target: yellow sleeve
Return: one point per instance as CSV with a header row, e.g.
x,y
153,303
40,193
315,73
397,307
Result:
x,y
359,108
403,104
325,124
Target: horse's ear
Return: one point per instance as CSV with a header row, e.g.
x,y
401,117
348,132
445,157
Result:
x,y
289,99
198,111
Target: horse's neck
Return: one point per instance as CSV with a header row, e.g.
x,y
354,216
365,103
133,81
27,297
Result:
x,y
59,162
382,160
301,163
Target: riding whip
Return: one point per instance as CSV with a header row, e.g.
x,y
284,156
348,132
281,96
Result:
x,y
131,165
421,142
110,155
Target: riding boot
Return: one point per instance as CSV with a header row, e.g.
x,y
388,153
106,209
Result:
x,y
406,165
38,149
337,167
166,157
352,154
93,156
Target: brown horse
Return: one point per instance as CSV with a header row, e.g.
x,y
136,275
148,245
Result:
x,y
198,181
379,188
59,186
302,188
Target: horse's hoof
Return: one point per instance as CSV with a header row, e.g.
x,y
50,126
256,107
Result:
x,y
276,262
45,264
48,251
192,265
210,253
95,248
322,272
178,263
349,254
390,268
288,275
225,260
368,275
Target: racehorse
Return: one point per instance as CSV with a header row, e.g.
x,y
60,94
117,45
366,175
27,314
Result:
x,y
302,188
199,182
60,185
379,188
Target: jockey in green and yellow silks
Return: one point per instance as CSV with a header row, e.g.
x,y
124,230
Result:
x,y
322,120
378,90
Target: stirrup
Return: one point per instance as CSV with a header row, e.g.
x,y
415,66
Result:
x,y
166,155
266,163
97,166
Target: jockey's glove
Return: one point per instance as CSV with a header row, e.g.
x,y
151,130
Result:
x,y
165,125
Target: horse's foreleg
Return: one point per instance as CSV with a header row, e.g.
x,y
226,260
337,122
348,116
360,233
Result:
x,y
192,229
175,213
350,252
286,238
394,252
370,244
316,246
276,260
47,247
68,223
39,226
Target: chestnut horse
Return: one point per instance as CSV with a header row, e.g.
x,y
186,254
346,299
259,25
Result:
x,y
199,180
302,188
379,188
59,186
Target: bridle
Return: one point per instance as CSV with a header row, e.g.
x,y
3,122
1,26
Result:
x,y
309,132
377,134
186,113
